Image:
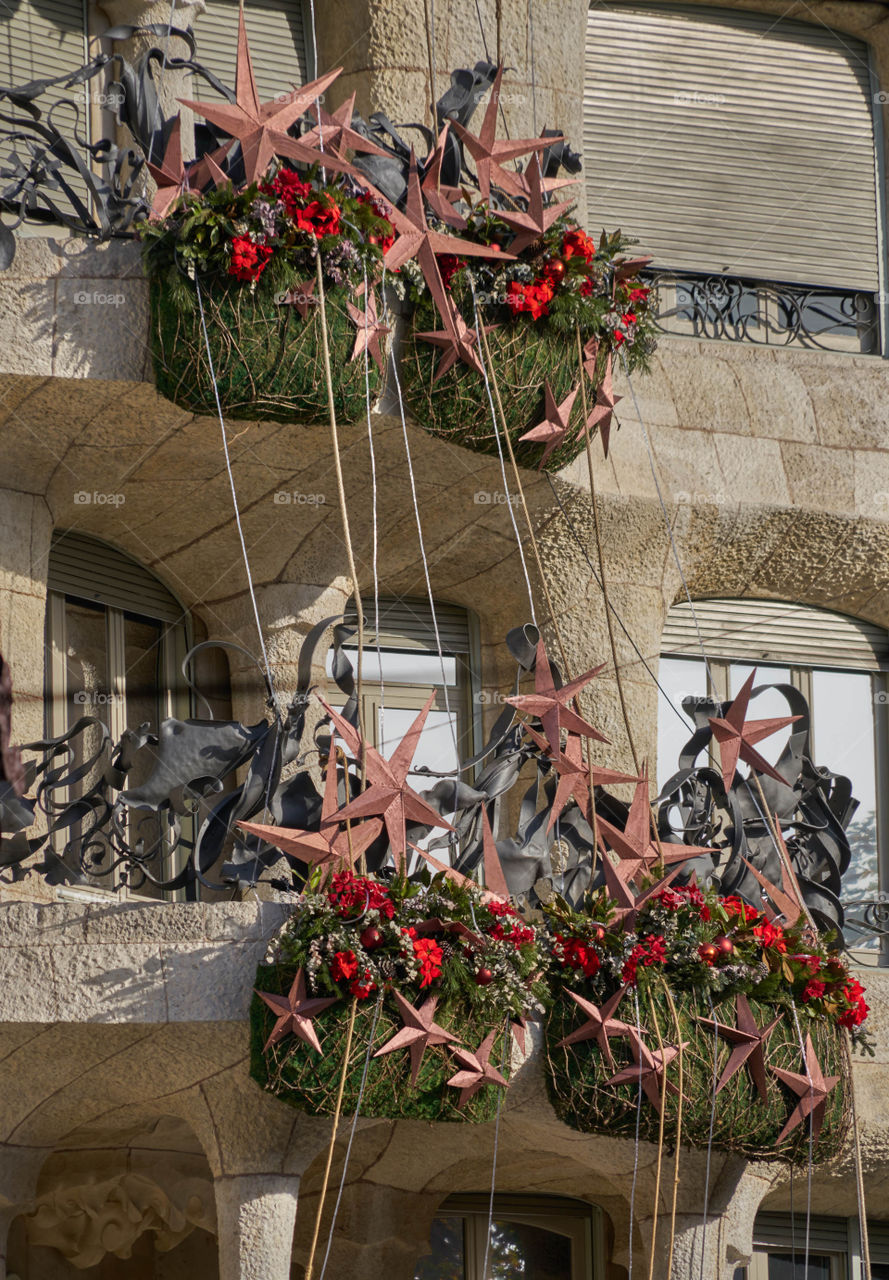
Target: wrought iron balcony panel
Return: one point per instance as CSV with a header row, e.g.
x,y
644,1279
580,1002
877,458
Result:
x,y
771,314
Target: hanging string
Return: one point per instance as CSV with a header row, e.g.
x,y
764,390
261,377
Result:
x,y
636,1146
678,1140
413,483
810,1162
710,1133
859,1166
336,1207
533,67
506,1040
506,491
660,1137
375,534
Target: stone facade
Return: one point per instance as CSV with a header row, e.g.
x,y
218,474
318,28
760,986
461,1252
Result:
x,y
132,1140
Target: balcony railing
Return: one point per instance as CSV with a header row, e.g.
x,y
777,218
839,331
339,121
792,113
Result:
x,y
767,313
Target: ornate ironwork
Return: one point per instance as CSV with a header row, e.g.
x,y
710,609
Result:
x,y
738,309
87,803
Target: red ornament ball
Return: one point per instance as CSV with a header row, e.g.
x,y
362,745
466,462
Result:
x,y
371,938
600,933
554,268
710,952
484,977
725,945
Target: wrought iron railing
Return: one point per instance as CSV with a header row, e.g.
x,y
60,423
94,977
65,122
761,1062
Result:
x,y
767,313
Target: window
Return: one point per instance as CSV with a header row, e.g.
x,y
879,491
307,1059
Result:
x,y
279,46
839,663
115,641
398,676
779,1249
722,140
532,1238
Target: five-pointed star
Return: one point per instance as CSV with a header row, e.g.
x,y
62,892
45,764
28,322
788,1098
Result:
x,y
812,1089
294,1013
388,795
648,1068
626,915
495,880
591,353
735,738
418,1031
787,898
599,1024
628,268
261,127
550,705
457,340
554,427
488,153
603,406
173,178
574,778
477,1070
300,296
532,225
748,1040
327,848
440,198
334,131
370,329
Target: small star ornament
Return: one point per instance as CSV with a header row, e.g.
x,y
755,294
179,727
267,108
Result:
x,y
649,1069
370,329
603,407
294,1013
599,1025
476,1070
736,736
554,427
550,705
419,1031
812,1090
747,1041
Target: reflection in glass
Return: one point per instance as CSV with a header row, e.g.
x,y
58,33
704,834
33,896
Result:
x,y
446,1258
785,1266
523,1252
679,678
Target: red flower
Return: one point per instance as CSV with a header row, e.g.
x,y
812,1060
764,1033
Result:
x,y
319,218
449,264
586,288
344,966
853,991
736,907
813,990
638,295
651,950
812,963
248,260
289,188
771,936
534,298
577,244
362,989
628,317
577,955
351,894
429,954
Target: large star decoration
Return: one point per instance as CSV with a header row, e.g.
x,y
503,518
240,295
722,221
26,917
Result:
x,y
294,1013
388,796
477,1070
574,778
599,1023
735,736
648,1069
173,178
327,848
457,340
812,1089
748,1041
550,705
370,329
787,898
536,222
418,1032
554,427
488,153
261,128
601,413
440,198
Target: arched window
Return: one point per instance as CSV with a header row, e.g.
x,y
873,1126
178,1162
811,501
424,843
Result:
x,y
547,1237
739,148
115,640
839,663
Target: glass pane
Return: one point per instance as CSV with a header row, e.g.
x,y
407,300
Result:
x,y
519,1251
401,666
143,684
446,1259
784,1266
843,713
679,678
765,706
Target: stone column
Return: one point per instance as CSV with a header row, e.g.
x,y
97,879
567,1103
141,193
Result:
x,y
25,531
256,1215
19,1170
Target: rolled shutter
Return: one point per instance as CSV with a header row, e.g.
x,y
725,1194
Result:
x,y
90,570
278,48
732,142
407,624
775,631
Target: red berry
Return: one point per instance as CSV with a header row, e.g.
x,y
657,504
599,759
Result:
x,y
484,977
373,239
371,938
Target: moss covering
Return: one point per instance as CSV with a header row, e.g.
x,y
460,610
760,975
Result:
x,y
742,1123
294,1072
267,359
525,354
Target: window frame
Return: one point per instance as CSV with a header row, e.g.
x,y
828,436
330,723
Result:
x,y
837,1238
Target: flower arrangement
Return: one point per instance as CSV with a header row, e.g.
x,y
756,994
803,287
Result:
x,y
708,973
428,963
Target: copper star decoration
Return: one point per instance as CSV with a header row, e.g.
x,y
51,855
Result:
x,y
330,849
628,268
440,199
599,1024
370,329
495,880
457,340
477,1070
532,225
574,778
603,406
389,796
748,1041
812,1089
334,132
550,705
294,1013
735,736
488,153
300,296
261,128
786,899
591,353
635,846
626,915
418,1031
648,1069
173,178
554,427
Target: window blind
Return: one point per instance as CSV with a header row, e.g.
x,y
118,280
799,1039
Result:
x,y
91,570
278,46
407,624
732,142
